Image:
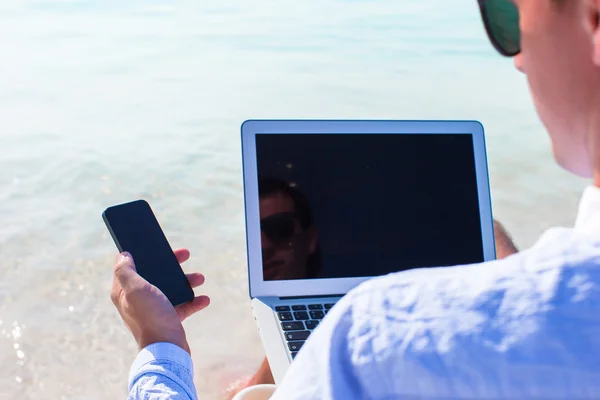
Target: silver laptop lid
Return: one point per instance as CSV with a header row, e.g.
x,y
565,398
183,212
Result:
x,y
330,204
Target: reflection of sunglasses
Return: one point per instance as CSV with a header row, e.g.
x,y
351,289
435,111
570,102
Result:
x,y
501,20
279,228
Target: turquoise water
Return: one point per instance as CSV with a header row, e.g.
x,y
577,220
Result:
x,y
107,101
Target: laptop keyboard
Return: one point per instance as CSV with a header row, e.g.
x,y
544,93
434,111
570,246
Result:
x,y
298,321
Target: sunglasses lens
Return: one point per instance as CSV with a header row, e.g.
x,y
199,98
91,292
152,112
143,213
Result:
x,y
279,228
502,21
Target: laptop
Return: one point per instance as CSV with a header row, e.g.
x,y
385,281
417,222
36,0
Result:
x,y
330,204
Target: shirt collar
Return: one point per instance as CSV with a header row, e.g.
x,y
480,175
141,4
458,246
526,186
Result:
x,y
588,218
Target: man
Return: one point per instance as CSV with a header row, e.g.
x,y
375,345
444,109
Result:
x,y
523,327
288,234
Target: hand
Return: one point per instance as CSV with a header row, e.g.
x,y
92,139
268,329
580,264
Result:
x,y
146,311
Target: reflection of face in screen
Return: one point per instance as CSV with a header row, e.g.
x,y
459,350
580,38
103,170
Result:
x,y
288,236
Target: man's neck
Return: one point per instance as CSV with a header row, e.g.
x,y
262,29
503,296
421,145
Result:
x,y
594,156
593,148
593,132
596,178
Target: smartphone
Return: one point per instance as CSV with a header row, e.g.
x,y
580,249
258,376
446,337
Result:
x,y
135,229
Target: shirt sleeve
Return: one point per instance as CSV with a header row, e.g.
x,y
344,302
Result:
x,y
324,368
162,371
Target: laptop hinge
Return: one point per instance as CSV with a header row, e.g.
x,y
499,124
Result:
x,y
310,297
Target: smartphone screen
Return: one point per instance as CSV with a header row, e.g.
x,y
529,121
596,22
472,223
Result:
x,y
135,229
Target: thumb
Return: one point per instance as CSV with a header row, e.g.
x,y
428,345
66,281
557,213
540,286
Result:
x,y
125,272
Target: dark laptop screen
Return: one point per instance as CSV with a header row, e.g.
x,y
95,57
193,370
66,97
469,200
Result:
x,y
356,205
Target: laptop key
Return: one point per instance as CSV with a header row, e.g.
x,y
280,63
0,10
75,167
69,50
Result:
x,y
317,314
293,326
282,308
285,316
315,306
329,306
297,335
312,324
294,354
298,307
295,346
300,315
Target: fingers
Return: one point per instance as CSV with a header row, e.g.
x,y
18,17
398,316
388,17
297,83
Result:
x,y
188,309
125,273
196,279
182,255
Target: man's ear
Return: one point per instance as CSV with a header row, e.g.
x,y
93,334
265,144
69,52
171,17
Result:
x,y
592,27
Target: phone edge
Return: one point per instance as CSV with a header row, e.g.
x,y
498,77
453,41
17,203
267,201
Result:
x,y
110,230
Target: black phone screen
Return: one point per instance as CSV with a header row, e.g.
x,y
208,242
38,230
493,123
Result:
x,y
135,229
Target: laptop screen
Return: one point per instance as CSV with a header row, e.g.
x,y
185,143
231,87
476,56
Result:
x,y
359,205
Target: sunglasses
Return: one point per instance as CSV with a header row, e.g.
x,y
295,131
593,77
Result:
x,y
279,228
501,21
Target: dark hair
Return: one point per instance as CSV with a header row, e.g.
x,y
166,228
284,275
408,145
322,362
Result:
x,y
271,186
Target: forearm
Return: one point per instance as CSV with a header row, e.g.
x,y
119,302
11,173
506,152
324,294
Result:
x,y
162,371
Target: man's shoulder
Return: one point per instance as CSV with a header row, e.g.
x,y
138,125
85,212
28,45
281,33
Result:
x,y
562,270
412,324
559,251
560,273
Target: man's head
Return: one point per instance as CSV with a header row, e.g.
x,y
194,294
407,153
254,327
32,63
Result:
x,y
560,54
288,236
